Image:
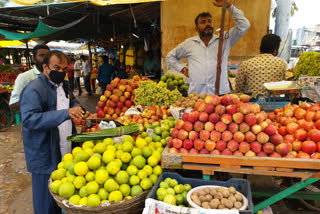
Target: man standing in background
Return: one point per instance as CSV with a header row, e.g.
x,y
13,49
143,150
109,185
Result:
x,y
77,75
39,51
105,73
87,68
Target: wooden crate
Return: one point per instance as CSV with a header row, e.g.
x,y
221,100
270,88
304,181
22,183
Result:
x,y
208,164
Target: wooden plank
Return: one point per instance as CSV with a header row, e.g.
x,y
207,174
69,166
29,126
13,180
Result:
x,y
207,169
284,170
250,161
169,160
264,168
230,166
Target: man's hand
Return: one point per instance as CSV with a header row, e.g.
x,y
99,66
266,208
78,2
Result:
x,y
219,3
76,112
185,71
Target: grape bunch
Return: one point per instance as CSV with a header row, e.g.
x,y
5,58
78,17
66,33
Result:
x,y
308,64
151,93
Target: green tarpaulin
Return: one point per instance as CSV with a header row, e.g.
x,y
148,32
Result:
x,y
41,31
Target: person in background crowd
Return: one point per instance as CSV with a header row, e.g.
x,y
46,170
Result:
x,y
202,51
120,73
47,110
87,68
70,73
151,66
105,74
39,51
77,75
93,78
265,67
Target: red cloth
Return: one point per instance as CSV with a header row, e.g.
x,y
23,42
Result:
x,y
70,70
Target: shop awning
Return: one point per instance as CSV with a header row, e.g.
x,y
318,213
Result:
x,y
10,43
95,2
41,31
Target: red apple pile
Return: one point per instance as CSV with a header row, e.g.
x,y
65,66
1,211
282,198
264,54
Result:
x,y
117,98
228,125
8,77
299,128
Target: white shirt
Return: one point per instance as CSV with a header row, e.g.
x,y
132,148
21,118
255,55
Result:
x,y
202,60
22,80
65,128
86,66
77,69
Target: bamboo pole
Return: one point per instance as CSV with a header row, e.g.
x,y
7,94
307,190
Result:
x,y
217,85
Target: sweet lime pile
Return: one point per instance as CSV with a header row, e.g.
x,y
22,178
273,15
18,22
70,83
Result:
x,y
171,192
104,171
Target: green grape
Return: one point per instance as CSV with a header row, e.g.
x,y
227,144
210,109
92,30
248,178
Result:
x,y
150,93
308,64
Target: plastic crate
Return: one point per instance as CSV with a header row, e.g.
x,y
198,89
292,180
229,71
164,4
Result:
x,y
241,185
269,104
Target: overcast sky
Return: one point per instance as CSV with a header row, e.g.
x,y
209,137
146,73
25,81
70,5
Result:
x,y
308,14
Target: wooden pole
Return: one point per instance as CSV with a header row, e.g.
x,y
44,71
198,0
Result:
x,y
217,85
90,56
27,54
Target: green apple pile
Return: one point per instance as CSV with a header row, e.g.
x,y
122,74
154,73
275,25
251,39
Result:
x,y
171,192
161,130
174,82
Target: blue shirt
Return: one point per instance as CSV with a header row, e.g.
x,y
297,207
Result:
x,y
151,65
202,60
40,121
104,73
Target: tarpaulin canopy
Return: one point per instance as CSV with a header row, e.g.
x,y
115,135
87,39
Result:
x,y
95,2
117,21
41,31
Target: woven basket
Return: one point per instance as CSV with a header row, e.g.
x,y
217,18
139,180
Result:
x,y
134,205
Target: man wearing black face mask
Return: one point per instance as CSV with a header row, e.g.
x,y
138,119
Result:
x,y
47,107
39,51
202,51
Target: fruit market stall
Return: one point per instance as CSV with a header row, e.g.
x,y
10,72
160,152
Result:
x,y
209,133
229,134
8,75
6,113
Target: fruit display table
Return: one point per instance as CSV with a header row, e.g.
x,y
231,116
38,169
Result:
x,y
306,169
6,113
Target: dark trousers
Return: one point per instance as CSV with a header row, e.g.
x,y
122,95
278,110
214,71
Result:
x,y
77,83
87,83
103,86
71,82
43,202
93,84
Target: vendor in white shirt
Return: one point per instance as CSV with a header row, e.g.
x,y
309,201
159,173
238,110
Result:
x,y
39,51
202,51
